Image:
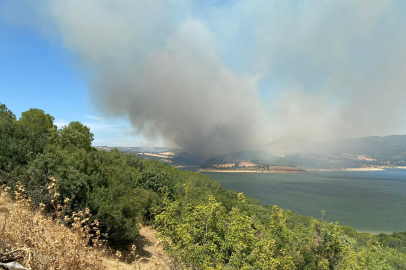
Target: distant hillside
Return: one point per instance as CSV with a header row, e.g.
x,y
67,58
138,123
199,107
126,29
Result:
x,y
255,156
339,154
387,147
166,155
289,145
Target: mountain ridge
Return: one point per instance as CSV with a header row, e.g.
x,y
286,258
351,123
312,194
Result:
x,y
363,152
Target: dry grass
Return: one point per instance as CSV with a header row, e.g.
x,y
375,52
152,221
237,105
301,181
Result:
x,y
39,241
247,164
168,153
225,165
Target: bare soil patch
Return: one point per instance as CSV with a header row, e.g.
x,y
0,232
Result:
x,y
149,250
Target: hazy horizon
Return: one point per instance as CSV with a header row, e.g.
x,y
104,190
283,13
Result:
x,y
215,77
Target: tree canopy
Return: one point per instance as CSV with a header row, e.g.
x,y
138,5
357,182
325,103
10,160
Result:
x,y
6,114
202,225
37,121
74,135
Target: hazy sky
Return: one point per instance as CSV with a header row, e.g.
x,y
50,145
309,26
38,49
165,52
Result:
x,y
210,76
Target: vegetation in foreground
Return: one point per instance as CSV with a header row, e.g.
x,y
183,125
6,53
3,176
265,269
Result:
x,y
42,241
202,225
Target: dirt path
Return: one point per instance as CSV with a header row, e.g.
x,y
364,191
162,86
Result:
x,y
150,252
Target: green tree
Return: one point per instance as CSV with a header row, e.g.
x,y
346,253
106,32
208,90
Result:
x,y
73,135
37,121
5,113
20,141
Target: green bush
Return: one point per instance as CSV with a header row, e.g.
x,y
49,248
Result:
x,y
203,226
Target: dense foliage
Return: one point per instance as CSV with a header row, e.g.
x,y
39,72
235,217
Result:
x,y
202,225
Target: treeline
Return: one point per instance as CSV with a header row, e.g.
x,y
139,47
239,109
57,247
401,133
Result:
x,y
202,225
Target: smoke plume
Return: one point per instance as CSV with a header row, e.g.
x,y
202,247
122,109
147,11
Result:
x,y
221,76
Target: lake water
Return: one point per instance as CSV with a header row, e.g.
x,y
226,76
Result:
x,y
368,201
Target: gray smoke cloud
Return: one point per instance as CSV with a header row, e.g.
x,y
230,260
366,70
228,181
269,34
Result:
x,y
222,76
184,94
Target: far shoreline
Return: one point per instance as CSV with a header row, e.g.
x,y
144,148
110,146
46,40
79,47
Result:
x,y
356,169
252,171
347,170
299,171
373,232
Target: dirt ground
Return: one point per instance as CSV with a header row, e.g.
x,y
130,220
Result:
x,y
150,252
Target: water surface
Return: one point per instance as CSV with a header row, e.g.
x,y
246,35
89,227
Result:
x,y
369,201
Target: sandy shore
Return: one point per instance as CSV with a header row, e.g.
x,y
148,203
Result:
x,y
373,232
252,171
348,170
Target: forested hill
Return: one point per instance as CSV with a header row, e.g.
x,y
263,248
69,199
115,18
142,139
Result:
x,y
389,151
202,225
374,146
